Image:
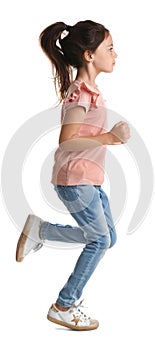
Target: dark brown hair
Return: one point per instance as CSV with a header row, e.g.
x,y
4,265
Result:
x,y
66,53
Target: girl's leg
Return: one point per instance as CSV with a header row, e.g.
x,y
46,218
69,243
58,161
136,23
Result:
x,y
62,233
85,205
85,266
78,200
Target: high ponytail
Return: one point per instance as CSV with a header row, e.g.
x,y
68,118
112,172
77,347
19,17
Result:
x,y
50,43
67,51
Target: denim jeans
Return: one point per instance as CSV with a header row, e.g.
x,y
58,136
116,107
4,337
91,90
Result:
x,y
89,206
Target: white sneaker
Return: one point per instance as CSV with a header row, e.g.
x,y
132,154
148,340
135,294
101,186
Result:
x,y
73,318
29,239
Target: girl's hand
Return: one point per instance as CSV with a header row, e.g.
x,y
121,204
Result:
x,y
120,133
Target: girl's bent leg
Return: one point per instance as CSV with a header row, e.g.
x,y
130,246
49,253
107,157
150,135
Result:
x,y
62,233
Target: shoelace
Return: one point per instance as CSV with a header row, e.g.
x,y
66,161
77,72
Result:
x,y
76,309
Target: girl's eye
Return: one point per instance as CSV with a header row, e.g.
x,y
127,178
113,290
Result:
x,y
111,49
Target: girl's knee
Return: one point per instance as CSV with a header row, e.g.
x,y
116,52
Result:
x,y
108,241
105,242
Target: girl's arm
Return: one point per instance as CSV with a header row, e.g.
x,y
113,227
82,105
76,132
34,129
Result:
x,y
69,139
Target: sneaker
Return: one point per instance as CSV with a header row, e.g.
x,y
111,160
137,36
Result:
x,y
73,318
29,239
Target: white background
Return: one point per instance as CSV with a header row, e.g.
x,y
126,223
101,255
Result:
x,y
121,291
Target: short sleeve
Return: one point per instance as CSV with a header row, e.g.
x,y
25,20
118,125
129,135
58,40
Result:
x,y
80,95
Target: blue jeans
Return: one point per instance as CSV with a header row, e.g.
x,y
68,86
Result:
x,y
89,206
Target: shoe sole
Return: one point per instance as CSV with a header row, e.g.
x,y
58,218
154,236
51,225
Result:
x,y
23,238
75,328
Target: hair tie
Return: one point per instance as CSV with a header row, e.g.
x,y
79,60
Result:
x,y
68,28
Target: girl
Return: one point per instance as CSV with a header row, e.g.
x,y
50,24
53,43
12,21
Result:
x,y
79,160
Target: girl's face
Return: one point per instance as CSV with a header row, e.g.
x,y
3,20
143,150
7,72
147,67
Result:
x,y
104,56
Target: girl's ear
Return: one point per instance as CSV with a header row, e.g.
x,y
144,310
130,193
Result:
x,y
88,56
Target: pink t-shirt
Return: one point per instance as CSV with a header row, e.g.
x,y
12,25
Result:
x,y
82,167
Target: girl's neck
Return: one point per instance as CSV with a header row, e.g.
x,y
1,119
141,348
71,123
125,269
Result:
x,y
84,75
